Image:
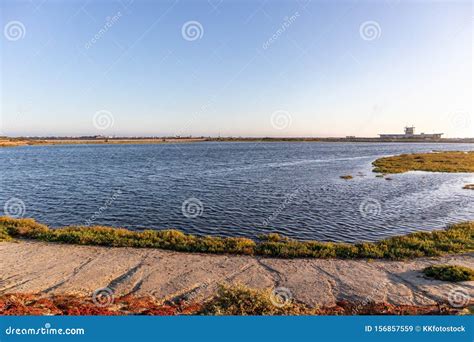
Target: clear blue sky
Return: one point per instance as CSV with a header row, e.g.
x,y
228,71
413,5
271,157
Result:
x,y
326,73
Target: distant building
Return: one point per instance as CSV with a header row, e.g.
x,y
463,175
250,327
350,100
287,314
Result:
x,y
410,134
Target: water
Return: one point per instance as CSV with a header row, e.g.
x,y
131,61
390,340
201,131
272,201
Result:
x,y
234,189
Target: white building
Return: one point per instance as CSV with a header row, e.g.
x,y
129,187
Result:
x,y
410,134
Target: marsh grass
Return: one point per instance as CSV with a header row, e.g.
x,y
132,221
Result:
x,y
458,238
434,162
452,273
119,237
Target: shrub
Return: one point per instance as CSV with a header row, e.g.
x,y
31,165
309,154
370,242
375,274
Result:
x,y
239,300
452,273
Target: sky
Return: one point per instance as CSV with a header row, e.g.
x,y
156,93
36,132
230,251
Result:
x,y
236,68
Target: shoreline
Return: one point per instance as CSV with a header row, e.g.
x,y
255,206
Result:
x,y
18,142
454,239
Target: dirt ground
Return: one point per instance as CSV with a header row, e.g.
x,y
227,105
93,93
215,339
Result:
x,y
46,268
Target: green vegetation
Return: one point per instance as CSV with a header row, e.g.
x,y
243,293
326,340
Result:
x,y
4,236
347,177
434,162
468,187
452,273
118,237
240,300
455,239
458,238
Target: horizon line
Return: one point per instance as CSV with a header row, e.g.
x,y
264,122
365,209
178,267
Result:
x,y
100,136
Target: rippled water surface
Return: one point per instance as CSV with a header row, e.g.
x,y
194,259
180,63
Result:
x,y
235,189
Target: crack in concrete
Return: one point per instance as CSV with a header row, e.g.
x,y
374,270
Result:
x,y
280,277
415,291
126,275
74,273
193,291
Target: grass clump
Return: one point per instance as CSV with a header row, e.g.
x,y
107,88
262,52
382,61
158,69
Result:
x,y
452,273
239,300
4,236
458,238
434,162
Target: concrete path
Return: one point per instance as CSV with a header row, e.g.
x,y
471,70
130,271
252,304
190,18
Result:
x,y
48,268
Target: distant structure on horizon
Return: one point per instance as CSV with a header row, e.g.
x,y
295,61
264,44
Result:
x,y
410,134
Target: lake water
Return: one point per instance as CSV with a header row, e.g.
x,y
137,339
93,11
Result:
x,y
233,189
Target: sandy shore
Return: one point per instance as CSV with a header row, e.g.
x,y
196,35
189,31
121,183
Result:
x,y
29,266
99,141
